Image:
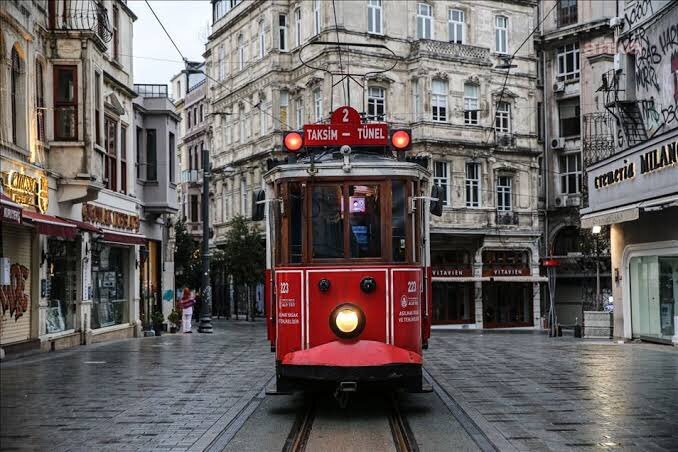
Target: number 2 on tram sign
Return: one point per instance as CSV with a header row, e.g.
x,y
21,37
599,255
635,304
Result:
x,y
345,127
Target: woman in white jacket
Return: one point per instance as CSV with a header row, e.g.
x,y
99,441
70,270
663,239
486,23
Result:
x,y
187,302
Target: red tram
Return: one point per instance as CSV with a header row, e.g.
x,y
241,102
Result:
x,y
348,282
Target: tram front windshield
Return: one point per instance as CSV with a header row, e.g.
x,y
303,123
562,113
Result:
x,y
349,220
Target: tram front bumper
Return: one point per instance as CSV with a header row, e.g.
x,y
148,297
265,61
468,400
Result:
x,y
363,362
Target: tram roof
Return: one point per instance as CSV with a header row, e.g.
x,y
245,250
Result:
x,y
362,165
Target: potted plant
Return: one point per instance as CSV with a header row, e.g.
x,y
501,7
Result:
x,y
174,318
158,320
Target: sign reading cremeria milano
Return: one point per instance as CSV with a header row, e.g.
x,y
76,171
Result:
x,y
652,161
108,217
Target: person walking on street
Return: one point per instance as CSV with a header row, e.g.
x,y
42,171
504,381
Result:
x,y
187,302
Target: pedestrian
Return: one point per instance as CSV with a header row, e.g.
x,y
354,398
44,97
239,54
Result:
x,y
187,302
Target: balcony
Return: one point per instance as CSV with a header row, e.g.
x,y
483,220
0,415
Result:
x,y
504,140
191,176
450,51
504,217
81,15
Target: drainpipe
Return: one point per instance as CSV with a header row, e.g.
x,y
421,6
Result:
x,y
85,132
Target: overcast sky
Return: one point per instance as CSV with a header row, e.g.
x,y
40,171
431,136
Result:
x,y
187,23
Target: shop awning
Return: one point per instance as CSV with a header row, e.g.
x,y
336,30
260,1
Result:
x,y
82,225
124,239
10,212
629,212
49,225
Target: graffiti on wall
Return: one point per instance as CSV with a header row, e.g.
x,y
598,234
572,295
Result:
x,y
14,297
653,45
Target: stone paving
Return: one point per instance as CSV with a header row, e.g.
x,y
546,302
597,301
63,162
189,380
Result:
x,y
541,393
174,392
178,392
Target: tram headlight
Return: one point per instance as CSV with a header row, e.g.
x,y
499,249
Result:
x,y
347,321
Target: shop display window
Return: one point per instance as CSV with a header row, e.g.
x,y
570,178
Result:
x,y
61,285
109,278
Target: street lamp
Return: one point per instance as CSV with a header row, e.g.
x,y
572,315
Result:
x,y
206,305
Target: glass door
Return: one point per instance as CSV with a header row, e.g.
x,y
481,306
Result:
x,y
654,293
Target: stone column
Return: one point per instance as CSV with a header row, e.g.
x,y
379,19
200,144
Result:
x,y
478,286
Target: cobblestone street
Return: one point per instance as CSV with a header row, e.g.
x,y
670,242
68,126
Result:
x,y
180,392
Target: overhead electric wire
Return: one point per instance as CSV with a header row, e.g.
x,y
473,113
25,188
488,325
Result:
x,y
341,65
186,61
493,118
166,32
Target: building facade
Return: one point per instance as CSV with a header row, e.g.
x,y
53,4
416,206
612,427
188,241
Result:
x,y
633,184
473,122
189,90
575,48
79,220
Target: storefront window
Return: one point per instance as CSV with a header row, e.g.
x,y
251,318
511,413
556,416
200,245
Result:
x,y
109,270
453,302
507,304
61,285
654,295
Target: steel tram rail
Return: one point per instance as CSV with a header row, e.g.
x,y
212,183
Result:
x,y
403,438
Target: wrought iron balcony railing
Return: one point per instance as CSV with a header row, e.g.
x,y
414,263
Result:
x,y
506,217
81,15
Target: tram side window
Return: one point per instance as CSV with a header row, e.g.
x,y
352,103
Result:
x,y
296,194
327,222
399,221
365,221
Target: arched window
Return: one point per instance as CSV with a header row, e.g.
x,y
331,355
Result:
x,y
16,93
39,101
262,39
241,53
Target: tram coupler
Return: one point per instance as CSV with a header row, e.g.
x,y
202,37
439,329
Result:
x,y
348,386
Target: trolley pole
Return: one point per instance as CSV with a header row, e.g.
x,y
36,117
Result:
x,y
206,305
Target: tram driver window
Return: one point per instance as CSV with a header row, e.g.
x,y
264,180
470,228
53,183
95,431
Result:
x,y
327,222
365,221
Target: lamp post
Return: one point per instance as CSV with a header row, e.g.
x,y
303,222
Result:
x,y
206,305
596,230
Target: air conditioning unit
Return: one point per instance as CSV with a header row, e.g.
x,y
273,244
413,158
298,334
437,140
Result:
x,y
559,87
561,201
573,201
616,22
558,143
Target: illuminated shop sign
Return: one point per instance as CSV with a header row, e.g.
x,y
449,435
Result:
x,y
108,217
26,190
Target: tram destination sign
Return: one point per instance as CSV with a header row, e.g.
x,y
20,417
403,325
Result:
x,y
345,128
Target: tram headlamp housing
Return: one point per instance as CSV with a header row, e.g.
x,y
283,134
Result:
x,y
347,321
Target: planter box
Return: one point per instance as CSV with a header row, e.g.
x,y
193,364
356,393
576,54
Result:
x,y
598,324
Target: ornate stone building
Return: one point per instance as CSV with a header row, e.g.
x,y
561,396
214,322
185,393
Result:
x,y
475,124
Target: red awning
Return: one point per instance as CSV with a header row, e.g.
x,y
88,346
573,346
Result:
x,y
124,239
82,225
49,225
10,212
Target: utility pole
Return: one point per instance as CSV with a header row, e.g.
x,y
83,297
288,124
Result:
x,y
206,305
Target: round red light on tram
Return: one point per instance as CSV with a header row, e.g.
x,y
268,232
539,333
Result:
x,y
293,141
400,140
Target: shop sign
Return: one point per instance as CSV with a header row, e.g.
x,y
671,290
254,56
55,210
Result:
x,y
26,190
659,158
506,271
108,217
11,214
450,272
